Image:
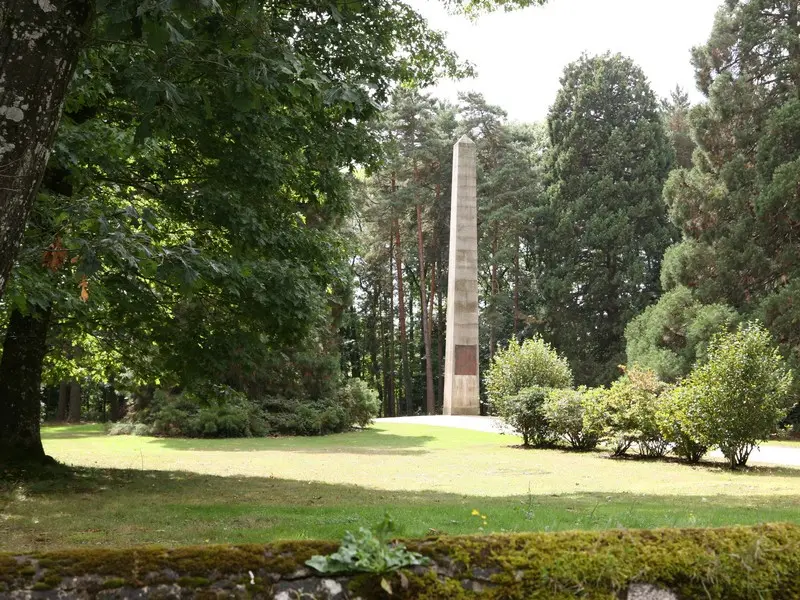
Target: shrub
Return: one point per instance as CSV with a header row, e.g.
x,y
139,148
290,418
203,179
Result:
x,y
129,428
524,413
217,411
792,419
564,410
533,363
305,417
741,393
626,413
678,420
360,401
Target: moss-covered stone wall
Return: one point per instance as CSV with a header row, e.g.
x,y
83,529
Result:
x,y
730,563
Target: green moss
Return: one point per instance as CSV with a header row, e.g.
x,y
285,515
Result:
x,y
193,582
113,583
731,563
41,586
51,580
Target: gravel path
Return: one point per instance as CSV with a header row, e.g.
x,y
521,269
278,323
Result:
x,y
768,455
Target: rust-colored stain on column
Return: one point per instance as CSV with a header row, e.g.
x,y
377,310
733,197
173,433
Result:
x,y
466,360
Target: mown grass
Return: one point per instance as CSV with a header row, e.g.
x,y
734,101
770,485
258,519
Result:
x,y
125,491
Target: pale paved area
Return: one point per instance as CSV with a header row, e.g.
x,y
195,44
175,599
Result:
x,y
490,424
772,455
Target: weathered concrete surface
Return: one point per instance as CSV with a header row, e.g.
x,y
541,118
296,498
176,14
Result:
x,y
461,376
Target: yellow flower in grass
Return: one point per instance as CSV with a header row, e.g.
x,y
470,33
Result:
x,y
476,512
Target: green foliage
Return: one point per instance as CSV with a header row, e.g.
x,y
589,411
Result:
x,y
564,411
680,423
360,401
604,231
473,8
519,366
518,382
738,397
737,205
216,412
524,413
304,417
672,335
368,551
675,113
191,217
626,413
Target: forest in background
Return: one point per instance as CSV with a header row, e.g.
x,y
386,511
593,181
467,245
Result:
x,y
240,216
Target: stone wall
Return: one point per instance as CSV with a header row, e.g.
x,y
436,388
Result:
x,y
730,563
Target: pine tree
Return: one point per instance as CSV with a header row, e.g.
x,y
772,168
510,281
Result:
x,y
738,206
605,230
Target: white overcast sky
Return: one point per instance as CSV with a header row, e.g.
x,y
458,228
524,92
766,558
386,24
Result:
x,y
520,55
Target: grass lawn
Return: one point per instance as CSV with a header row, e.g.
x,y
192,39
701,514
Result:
x,y
127,490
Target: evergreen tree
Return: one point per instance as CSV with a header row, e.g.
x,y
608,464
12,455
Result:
x,y
737,207
675,110
605,230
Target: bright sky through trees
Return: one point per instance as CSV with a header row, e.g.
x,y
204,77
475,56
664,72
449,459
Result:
x,y
520,55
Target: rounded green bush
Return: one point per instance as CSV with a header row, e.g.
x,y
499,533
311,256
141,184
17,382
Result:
x,y
678,419
564,409
534,363
360,401
524,413
739,395
625,414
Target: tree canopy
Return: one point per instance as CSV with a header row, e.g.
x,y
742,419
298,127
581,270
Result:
x,y
604,232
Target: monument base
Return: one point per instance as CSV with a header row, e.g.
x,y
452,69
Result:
x,y
464,398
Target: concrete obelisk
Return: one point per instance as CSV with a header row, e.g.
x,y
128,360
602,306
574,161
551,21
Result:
x,y
461,379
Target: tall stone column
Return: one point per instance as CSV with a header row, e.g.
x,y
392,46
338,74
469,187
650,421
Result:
x,y
461,378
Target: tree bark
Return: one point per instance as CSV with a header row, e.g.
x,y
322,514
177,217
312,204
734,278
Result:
x,y
372,332
63,401
40,42
24,350
516,290
390,387
430,404
115,407
401,314
74,402
440,340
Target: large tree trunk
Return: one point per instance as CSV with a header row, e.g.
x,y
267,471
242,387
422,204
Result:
x,y
516,290
40,42
390,387
401,314
63,401
115,406
74,402
430,404
372,332
440,339
24,350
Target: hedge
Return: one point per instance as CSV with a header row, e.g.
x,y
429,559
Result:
x,y
739,562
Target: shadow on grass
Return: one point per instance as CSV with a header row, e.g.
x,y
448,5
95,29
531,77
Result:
x,y
717,466
56,507
367,441
364,442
